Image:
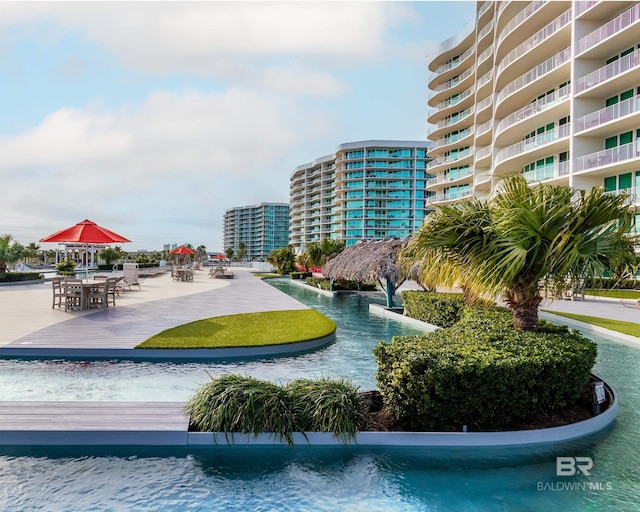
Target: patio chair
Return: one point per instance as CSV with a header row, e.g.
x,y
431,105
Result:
x,y
110,290
72,294
58,292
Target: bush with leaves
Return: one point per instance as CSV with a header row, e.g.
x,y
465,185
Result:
x,y
482,372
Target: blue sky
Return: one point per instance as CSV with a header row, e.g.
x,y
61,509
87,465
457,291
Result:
x,y
153,118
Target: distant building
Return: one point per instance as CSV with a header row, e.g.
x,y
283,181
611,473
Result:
x,y
366,190
262,228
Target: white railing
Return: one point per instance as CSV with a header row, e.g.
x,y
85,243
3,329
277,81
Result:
x,y
482,177
621,22
451,65
453,196
451,101
482,152
484,78
536,39
484,127
459,155
554,170
520,18
484,103
539,140
449,178
632,197
623,64
534,108
450,121
484,7
485,54
452,83
485,30
584,6
610,113
540,70
461,135
608,157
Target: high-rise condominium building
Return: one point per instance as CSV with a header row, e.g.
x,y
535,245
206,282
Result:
x,y
546,89
366,190
262,228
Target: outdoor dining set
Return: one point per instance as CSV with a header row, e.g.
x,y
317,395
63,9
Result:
x,y
83,294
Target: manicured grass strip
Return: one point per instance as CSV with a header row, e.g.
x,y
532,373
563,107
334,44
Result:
x,y
629,328
265,275
615,294
247,330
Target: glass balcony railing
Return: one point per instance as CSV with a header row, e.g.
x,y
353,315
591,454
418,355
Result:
x,y
536,39
520,18
459,155
610,113
449,177
451,140
617,24
547,172
611,70
540,70
534,108
608,156
450,196
632,197
451,101
452,120
539,140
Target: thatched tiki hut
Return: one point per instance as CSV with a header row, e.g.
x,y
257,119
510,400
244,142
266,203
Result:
x,y
369,261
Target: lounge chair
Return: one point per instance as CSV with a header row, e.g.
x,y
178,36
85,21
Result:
x,y
631,303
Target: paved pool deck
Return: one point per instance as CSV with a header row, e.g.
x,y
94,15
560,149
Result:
x,y
31,328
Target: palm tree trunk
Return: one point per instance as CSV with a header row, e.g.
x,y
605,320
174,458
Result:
x,y
524,304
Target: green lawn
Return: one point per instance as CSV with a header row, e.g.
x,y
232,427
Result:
x,y
629,328
247,330
615,294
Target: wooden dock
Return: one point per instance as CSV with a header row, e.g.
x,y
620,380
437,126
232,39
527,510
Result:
x,y
93,423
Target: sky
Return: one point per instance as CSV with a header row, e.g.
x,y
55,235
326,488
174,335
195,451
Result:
x,y
153,118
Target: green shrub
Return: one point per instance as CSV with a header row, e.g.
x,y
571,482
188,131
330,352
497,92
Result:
x,y
14,277
339,284
327,405
441,309
232,403
66,268
481,373
300,275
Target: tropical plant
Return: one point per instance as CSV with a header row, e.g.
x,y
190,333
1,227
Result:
x,y
242,251
523,243
8,252
318,253
31,252
230,253
283,259
109,255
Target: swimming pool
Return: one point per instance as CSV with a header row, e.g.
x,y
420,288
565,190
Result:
x,y
303,479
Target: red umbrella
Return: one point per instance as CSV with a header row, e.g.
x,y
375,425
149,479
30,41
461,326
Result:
x,y
86,232
182,250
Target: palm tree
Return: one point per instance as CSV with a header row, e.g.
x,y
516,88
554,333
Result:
x,y
8,253
523,243
318,253
229,253
242,251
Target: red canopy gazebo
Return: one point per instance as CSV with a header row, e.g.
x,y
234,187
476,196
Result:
x,y
87,233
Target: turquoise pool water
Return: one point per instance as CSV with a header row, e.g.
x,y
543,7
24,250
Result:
x,y
303,479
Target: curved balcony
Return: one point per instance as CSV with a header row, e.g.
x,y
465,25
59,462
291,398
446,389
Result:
x,y
601,118
483,156
461,158
611,78
447,49
557,170
483,85
450,179
483,107
528,146
462,82
485,31
551,70
454,64
624,158
464,119
534,48
517,20
615,29
447,198
461,140
483,133
482,179
447,107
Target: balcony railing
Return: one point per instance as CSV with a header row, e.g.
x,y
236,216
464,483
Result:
x,y
451,65
452,83
540,70
482,152
485,54
555,170
621,22
484,7
449,196
584,6
446,141
608,157
449,159
449,178
452,120
534,108
610,113
451,101
484,103
482,177
632,197
485,30
615,68
536,39
484,78
520,18
534,142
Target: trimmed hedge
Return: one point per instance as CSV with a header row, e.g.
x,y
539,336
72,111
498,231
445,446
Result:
x,y
14,277
340,284
441,309
300,275
482,373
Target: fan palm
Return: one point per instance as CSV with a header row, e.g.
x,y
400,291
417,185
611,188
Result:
x,y
522,243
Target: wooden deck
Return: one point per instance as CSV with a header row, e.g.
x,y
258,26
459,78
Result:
x,y
92,423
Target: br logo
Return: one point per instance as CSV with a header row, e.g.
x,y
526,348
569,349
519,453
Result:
x,y
569,466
